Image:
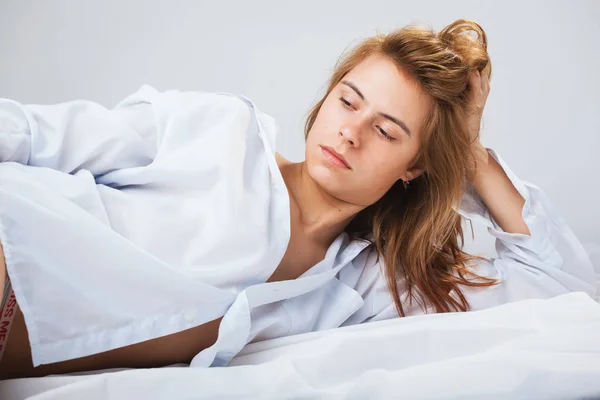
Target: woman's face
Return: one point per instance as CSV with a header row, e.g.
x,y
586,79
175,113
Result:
x,y
373,119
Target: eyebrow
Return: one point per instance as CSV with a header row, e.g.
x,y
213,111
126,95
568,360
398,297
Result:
x,y
395,120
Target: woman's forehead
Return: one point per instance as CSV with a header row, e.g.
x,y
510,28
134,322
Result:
x,y
381,73
388,89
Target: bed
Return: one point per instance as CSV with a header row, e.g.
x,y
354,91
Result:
x,y
526,349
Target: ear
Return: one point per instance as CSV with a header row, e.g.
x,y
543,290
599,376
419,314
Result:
x,y
412,173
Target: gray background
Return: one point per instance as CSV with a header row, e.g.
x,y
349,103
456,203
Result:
x,y
542,116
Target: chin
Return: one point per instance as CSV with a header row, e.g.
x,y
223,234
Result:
x,y
327,179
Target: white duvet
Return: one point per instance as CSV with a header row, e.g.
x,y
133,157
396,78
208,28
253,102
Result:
x,y
526,349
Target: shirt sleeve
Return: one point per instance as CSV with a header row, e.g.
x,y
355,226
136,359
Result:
x,y
80,134
548,262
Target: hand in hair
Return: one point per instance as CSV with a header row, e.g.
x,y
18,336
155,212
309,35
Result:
x,y
489,180
479,89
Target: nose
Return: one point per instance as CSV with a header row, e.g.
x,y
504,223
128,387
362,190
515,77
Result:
x,y
350,132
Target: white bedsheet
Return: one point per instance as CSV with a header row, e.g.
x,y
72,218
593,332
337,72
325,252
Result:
x,y
527,349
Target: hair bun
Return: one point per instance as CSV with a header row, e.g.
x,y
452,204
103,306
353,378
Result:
x,y
468,39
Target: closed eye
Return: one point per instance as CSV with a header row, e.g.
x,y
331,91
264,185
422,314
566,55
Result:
x,y
346,102
383,133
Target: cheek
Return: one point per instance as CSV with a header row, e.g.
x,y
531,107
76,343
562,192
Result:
x,y
328,117
379,176
381,168
323,128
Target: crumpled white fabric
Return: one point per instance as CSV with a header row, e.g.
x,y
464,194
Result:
x,y
530,349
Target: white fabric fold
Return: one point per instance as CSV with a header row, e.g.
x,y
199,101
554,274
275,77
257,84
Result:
x,y
530,349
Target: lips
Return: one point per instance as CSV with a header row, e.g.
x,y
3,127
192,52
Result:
x,y
335,157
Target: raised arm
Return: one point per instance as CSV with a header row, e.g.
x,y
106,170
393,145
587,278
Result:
x,y
489,179
538,253
502,199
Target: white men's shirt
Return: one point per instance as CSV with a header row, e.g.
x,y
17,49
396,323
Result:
x,y
169,211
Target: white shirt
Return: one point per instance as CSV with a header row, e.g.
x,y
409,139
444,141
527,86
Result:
x,y
169,211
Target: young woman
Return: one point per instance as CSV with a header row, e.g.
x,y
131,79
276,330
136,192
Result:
x,y
167,230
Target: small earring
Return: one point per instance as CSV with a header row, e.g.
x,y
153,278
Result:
x,y
406,184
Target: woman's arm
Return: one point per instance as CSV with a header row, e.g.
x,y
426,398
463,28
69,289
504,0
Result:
x,y
490,181
500,196
548,254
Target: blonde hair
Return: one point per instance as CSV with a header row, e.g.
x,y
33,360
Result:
x,y
417,230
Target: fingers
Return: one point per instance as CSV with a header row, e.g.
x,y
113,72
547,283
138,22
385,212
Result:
x,y
485,83
479,84
475,81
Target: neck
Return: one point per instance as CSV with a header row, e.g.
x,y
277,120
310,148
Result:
x,y
318,215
